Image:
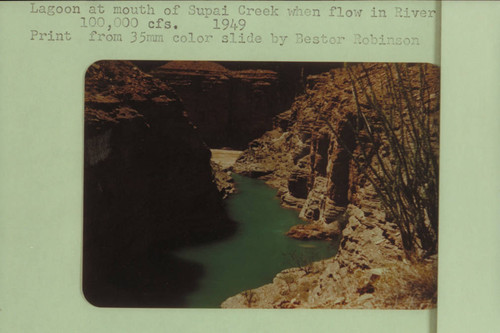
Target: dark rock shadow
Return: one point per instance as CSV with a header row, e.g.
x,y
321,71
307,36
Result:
x,y
148,189
152,281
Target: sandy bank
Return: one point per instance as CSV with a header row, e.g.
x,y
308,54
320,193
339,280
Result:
x,y
225,158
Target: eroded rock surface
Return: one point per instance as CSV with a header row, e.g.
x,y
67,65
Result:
x,y
308,156
369,271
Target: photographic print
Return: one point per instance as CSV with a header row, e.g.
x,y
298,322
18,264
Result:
x,y
261,185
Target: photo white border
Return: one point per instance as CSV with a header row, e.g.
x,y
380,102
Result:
x,y
41,172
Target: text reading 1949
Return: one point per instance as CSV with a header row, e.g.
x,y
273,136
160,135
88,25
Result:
x,y
233,23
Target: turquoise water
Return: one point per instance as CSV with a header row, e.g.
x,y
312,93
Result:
x,y
258,250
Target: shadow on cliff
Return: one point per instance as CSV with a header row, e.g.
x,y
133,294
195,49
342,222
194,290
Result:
x,y
148,189
129,266
155,281
133,219
148,183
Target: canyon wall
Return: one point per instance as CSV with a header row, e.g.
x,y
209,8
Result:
x,y
313,155
148,188
307,154
229,107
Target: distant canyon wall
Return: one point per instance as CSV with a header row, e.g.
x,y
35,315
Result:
x,y
230,107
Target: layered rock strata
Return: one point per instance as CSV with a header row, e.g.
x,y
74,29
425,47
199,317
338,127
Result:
x,y
307,153
310,157
229,107
148,188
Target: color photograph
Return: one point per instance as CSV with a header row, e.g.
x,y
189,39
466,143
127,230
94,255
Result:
x,y
273,185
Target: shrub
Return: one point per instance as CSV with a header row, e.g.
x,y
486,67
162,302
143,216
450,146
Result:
x,y
395,134
250,297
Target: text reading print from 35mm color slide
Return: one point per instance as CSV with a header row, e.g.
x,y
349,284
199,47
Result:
x,y
342,29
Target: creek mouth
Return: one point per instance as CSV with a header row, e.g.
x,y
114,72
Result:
x,y
255,253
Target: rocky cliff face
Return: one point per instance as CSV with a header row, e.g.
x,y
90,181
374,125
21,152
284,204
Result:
x,y
368,272
148,187
307,153
311,156
229,107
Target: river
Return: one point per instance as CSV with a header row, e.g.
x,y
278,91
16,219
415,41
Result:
x,y
256,252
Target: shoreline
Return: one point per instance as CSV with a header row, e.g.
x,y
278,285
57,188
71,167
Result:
x,y
225,158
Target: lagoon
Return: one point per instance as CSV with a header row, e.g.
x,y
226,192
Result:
x,y
256,252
